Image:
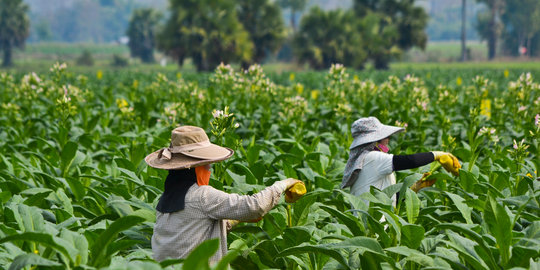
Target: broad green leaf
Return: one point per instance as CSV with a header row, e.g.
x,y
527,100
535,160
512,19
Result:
x,y
412,235
459,202
28,218
412,255
79,243
77,188
326,250
39,238
296,235
67,155
250,178
99,247
467,180
412,204
377,227
485,253
308,174
24,260
465,248
356,228
301,208
500,225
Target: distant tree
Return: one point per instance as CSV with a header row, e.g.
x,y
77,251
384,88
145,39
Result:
x,y
294,6
400,22
208,31
119,61
14,27
380,38
489,26
262,19
85,59
327,37
141,31
521,21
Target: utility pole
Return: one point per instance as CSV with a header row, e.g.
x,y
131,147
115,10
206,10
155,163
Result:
x,y
463,30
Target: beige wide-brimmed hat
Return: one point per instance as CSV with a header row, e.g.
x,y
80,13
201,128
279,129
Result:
x,y
190,147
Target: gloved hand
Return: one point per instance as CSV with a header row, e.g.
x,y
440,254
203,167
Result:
x,y
449,162
287,183
294,189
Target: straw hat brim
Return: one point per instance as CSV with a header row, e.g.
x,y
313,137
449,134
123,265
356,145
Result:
x,y
384,132
194,158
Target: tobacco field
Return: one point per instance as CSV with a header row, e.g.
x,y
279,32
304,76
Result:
x,y
75,192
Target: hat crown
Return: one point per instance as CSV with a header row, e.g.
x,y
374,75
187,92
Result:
x,y
185,135
365,125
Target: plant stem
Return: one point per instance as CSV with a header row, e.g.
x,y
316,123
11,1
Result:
x,y
289,217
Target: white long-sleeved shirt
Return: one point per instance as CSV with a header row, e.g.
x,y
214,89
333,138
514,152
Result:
x,y
377,171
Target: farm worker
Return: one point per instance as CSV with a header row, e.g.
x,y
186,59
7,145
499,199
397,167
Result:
x,y
370,164
190,211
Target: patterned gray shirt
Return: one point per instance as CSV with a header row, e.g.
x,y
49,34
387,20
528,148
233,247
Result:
x,y
205,217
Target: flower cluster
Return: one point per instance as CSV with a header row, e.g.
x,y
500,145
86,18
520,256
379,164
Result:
x,y
343,110
489,133
174,113
294,107
222,122
400,124
125,109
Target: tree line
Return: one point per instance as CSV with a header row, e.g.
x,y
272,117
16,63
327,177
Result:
x,y
248,31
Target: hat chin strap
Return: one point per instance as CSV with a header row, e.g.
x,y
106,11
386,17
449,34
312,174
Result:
x,y
166,153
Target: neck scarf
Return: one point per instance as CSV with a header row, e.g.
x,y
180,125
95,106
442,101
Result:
x,y
203,175
177,185
355,163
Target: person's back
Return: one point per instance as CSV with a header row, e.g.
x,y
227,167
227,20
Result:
x,y
377,172
178,233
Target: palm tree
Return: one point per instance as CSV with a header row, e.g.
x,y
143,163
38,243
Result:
x,y
14,27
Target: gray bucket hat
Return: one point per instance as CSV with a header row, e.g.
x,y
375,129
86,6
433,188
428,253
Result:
x,y
369,129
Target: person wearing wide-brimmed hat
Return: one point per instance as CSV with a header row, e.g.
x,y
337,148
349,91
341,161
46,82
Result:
x,y
190,211
370,164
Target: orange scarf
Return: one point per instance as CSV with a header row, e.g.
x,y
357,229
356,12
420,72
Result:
x,y
203,175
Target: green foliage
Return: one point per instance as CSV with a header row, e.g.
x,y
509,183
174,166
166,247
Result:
x,y
142,31
376,30
521,21
119,61
207,31
262,20
14,27
328,37
75,192
85,59
294,6
394,26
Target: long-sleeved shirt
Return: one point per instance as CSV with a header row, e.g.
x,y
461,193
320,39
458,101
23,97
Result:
x,y
379,170
204,217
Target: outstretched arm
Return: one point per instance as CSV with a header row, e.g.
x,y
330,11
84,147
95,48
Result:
x,y
404,162
221,205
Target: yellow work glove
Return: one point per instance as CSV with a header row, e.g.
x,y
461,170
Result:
x,y
295,192
449,162
294,189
